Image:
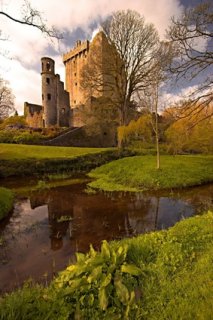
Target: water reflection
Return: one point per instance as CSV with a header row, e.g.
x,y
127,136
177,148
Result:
x,y
47,228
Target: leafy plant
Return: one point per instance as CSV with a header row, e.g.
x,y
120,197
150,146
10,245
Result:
x,y
100,282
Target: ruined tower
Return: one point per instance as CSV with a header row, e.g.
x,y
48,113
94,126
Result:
x,y
48,92
55,100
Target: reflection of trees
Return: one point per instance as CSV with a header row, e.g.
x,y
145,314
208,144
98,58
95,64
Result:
x,y
92,218
143,212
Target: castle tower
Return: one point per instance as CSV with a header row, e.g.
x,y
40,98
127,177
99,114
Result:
x,y
49,96
74,61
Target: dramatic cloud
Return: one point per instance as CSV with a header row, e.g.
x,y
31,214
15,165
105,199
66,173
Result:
x,y
26,45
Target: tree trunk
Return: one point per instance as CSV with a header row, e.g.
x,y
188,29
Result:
x,y
156,130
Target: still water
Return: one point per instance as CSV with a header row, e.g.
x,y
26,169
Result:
x,y
50,225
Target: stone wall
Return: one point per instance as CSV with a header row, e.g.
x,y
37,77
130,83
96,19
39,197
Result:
x,y
55,109
33,114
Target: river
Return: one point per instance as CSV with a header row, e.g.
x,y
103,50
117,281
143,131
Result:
x,y
49,225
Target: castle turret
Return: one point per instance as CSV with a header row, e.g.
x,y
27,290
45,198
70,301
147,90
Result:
x,y
49,96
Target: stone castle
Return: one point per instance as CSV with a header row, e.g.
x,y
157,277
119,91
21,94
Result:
x,y
63,107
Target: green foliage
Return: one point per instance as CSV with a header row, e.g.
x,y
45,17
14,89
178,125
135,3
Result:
x,y
6,202
140,130
186,136
156,276
15,120
32,302
139,173
100,282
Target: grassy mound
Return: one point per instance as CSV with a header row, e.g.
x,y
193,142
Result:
x,y
140,173
161,275
6,202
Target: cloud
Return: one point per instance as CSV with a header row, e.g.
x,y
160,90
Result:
x,y
26,45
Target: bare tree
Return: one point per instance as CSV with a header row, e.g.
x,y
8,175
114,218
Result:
x,y
191,37
33,18
136,43
133,43
6,100
103,76
151,95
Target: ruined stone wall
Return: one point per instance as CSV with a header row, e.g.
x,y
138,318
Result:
x,y
63,105
55,100
33,114
49,97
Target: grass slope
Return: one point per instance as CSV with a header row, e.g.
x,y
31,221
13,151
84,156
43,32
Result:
x,y
140,173
14,151
6,202
161,275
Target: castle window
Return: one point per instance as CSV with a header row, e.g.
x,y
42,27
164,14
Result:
x,y
48,66
76,84
42,97
75,74
48,96
75,101
48,80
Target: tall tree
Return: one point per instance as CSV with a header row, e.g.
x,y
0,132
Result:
x,y
6,100
136,43
133,43
191,36
151,95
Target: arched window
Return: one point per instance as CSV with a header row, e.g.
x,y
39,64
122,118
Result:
x,y
48,66
48,96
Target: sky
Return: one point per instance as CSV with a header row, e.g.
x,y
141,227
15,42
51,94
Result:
x,y
24,46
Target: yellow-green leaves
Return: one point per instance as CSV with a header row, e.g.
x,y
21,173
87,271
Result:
x,y
105,250
95,274
101,280
131,269
121,290
103,300
106,281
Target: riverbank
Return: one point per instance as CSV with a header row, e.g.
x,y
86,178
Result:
x,y
6,202
24,160
139,173
161,275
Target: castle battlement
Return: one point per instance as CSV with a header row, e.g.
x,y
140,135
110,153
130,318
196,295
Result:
x,y
80,47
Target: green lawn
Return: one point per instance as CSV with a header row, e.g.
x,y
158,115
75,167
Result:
x,y
17,151
6,202
156,276
140,173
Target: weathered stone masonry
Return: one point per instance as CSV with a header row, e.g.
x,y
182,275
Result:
x,y
63,108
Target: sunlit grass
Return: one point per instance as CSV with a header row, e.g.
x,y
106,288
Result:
x,y
140,173
14,151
